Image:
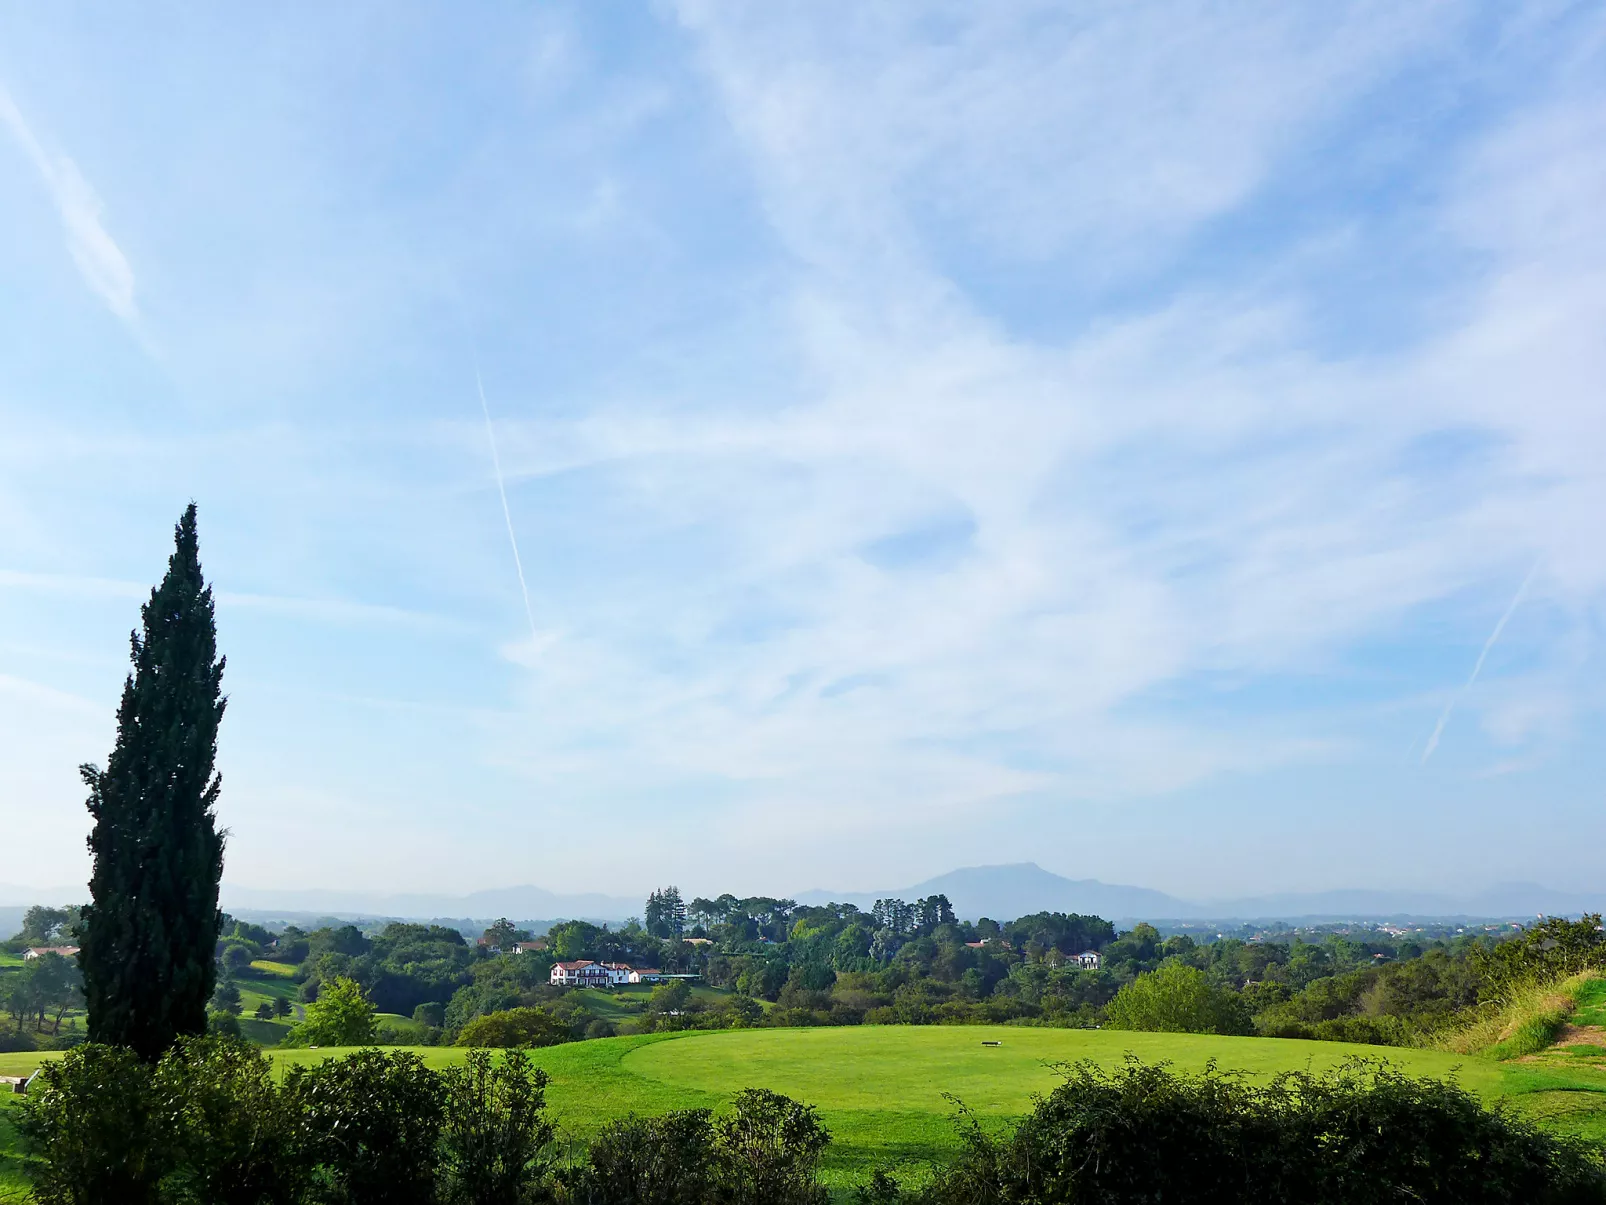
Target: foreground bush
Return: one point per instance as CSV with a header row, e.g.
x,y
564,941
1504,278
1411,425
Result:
x,y
766,1151
208,1125
231,1136
496,1139
369,1126
92,1119
1358,1135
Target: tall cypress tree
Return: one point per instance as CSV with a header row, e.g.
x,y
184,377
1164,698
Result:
x,y
150,933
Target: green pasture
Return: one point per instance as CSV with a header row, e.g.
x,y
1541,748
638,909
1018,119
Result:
x,y
882,1090
620,1004
10,960
279,969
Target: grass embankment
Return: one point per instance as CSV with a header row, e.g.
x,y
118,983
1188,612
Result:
x,y
1550,1029
881,1089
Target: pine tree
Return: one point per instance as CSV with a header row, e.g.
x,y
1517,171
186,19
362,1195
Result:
x,y
149,936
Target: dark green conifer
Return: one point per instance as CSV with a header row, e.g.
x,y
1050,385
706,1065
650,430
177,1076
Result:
x,y
149,936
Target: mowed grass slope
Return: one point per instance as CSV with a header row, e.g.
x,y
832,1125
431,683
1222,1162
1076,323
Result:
x,y
881,1089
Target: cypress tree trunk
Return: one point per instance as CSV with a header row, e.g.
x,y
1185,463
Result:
x,y
149,936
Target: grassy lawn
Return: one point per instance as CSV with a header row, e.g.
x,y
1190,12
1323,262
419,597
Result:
x,y
623,1003
10,960
881,1089
12,1183
1592,1004
279,969
258,986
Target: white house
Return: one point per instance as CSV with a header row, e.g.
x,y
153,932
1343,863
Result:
x,y
1088,960
41,951
586,973
648,975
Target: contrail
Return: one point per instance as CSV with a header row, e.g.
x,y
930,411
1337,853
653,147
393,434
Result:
x,y
496,463
1433,741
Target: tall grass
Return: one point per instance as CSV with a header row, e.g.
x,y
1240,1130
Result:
x,y
1527,1022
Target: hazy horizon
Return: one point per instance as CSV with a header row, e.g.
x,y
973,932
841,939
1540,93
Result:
x,y
1162,444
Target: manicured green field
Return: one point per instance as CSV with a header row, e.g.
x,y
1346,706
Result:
x,y
881,1089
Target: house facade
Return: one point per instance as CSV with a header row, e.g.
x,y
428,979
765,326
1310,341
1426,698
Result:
x,y
1088,960
41,951
585,973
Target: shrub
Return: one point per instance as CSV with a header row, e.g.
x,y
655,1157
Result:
x,y
1177,998
235,1132
769,1151
431,1013
369,1127
1360,1134
766,1151
340,1016
667,1160
496,1137
514,1027
91,1120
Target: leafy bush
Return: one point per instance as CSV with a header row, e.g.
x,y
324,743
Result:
x,y
235,1134
92,1120
766,1151
1177,998
496,1136
1554,949
769,1149
341,1015
369,1127
667,1160
515,1027
1360,1134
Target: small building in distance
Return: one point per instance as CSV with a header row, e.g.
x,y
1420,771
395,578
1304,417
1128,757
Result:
x,y
41,951
1088,960
530,947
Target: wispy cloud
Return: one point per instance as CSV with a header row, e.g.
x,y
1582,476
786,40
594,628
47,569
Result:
x,y
99,259
1477,668
507,515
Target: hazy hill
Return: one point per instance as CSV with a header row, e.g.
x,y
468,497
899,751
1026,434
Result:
x,y
1001,892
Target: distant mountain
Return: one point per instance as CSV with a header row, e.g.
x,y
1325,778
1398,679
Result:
x,y
1005,892
12,896
1001,892
515,903
1504,900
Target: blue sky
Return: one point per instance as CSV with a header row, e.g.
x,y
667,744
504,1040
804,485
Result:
x,y
933,434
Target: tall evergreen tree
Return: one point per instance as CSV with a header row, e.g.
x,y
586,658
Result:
x,y
149,935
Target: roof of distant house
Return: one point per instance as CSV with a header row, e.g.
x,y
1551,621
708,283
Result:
x,y
64,951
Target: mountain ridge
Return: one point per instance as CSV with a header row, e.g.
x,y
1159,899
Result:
x,y
1000,891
